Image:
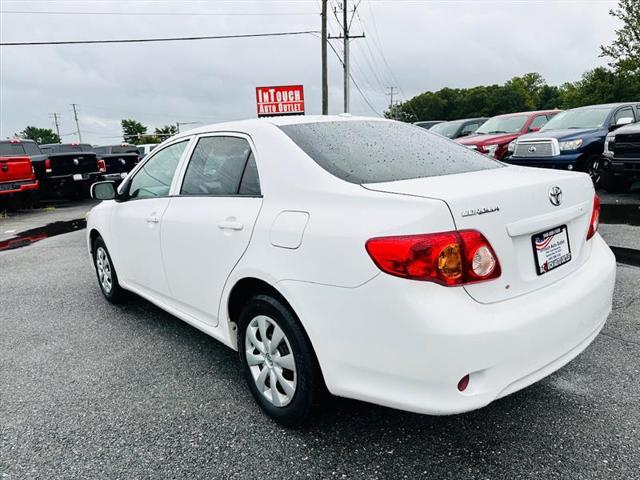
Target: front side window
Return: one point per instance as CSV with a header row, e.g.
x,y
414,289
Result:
x,y
538,122
216,166
371,151
623,113
155,177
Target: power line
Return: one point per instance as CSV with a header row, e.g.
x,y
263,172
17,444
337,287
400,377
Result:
x,y
167,39
158,14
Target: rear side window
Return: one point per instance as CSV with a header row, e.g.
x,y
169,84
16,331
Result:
x,y
382,151
216,166
11,149
250,183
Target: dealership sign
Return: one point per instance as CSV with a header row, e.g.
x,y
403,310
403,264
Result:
x,y
280,100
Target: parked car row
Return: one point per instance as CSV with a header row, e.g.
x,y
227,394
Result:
x,y
569,140
29,171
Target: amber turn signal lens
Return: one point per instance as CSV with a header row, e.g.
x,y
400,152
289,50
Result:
x,y
450,261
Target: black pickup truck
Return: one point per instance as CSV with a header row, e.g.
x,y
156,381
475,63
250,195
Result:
x,y
119,160
69,169
621,166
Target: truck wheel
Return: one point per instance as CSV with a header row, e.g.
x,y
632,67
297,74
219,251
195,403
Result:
x,y
615,183
593,166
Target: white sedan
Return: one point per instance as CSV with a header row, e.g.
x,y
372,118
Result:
x,y
366,257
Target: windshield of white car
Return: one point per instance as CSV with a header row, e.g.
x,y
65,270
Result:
x,y
580,118
510,124
446,129
380,151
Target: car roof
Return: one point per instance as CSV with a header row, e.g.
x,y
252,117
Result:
x,y
533,112
608,105
254,123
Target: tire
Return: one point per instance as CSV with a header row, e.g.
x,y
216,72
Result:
x,y
593,166
615,183
106,273
291,363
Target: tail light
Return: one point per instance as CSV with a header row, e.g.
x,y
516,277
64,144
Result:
x,y
448,258
595,217
102,167
47,165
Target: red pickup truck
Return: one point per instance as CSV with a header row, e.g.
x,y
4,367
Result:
x,y
18,184
493,136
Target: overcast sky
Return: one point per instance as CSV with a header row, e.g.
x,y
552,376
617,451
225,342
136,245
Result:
x,y
413,45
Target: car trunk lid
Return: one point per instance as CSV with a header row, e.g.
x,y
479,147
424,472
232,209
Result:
x,y
509,206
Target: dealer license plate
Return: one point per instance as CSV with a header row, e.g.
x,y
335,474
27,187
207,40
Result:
x,y
551,249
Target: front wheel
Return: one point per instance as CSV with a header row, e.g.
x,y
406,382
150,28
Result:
x,y
593,166
107,276
278,361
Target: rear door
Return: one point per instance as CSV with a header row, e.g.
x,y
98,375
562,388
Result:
x,y
137,221
207,226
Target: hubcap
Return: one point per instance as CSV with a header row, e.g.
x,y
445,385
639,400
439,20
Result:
x,y
104,270
270,360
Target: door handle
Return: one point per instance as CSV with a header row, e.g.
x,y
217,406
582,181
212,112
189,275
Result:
x,y
153,219
230,225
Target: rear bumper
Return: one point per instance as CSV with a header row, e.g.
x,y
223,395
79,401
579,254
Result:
x,y
18,187
562,162
68,181
115,177
406,344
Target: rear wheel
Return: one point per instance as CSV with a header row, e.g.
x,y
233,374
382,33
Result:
x,y
278,361
107,276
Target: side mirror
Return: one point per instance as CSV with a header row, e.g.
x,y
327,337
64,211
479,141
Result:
x,y
103,190
534,129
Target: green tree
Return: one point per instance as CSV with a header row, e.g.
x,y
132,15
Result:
x,y
133,131
624,52
40,135
162,133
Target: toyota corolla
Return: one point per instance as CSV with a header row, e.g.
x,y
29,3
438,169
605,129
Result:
x,y
364,257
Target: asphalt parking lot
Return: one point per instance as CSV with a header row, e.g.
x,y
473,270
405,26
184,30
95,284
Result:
x,y
91,390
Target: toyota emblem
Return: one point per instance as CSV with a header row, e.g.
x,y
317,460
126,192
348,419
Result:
x,y
532,149
555,196
76,161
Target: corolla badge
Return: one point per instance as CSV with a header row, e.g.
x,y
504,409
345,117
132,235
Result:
x,y
532,149
480,211
555,196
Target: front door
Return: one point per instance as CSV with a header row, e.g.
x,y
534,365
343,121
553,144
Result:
x,y
137,222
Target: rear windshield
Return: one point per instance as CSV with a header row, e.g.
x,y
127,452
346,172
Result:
x,y
124,149
380,151
67,148
11,149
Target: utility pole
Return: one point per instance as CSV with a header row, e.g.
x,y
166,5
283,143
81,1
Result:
x,y
75,114
346,37
325,84
391,89
56,117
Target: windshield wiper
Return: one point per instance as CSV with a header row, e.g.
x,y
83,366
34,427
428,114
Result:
x,y
498,131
